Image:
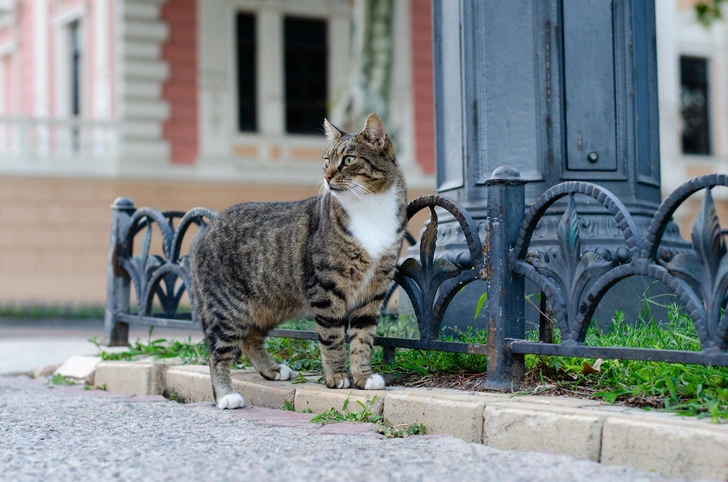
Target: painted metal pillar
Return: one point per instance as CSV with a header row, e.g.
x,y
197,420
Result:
x,y
559,89
118,285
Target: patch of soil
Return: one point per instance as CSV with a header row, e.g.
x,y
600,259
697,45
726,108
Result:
x,y
535,382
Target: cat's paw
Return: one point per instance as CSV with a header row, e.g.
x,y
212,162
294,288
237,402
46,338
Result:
x,y
285,373
374,382
234,400
339,380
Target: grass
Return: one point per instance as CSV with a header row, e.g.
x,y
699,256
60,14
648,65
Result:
x,y
691,390
39,311
684,389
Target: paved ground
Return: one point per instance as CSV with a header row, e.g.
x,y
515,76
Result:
x,y
28,344
67,434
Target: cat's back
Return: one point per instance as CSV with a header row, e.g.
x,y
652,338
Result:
x,y
249,232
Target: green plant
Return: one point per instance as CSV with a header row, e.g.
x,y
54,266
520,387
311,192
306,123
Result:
x,y
288,406
91,387
481,302
175,397
365,415
59,379
709,11
401,430
684,389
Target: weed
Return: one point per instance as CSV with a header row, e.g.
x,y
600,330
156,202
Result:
x,y
175,397
59,380
400,430
333,415
299,379
288,406
365,415
91,387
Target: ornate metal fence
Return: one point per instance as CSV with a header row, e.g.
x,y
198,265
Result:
x,y
573,282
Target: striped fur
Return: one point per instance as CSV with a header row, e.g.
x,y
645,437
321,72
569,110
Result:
x,y
260,264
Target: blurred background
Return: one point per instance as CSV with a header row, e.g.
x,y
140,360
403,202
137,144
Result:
x,y
183,103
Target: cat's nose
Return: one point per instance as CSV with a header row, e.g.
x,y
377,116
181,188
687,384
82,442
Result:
x,y
327,178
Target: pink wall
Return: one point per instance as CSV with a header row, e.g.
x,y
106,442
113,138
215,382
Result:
x,y
422,84
8,83
25,57
23,88
180,90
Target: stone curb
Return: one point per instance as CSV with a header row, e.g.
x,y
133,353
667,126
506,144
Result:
x,y
585,429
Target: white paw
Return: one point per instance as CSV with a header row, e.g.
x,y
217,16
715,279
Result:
x,y
374,382
234,400
284,373
344,383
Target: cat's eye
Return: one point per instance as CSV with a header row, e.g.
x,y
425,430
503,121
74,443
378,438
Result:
x,y
348,160
326,164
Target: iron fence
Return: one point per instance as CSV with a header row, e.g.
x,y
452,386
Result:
x,y
571,282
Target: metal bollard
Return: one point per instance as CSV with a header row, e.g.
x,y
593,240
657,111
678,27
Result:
x,y
118,285
504,305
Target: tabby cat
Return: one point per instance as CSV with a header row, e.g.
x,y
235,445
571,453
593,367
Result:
x,y
333,256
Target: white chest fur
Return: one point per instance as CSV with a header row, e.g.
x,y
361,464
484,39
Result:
x,y
373,220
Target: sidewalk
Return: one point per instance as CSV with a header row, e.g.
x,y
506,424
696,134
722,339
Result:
x,y
586,429
29,344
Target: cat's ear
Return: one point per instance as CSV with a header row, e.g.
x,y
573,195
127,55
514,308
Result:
x,y
333,133
373,131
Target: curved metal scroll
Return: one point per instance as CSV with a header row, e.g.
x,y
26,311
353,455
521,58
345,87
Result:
x,y
432,283
564,276
574,283
154,275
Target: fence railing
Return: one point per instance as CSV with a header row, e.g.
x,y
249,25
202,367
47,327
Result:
x,y
571,281
36,140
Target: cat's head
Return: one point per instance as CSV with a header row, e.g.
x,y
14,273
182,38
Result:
x,y
361,163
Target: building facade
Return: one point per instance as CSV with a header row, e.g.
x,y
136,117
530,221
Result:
x,y
180,103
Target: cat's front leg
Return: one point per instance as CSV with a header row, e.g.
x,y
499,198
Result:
x,y
363,330
332,340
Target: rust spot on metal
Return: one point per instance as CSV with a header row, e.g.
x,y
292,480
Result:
x,y
491,351
487,272
118,272
548,63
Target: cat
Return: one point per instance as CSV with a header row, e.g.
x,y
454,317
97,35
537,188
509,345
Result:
x,y
260,264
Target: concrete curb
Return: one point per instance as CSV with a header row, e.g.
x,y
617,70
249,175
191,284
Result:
x,y
586,429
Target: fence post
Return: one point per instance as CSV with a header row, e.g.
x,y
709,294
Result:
x,y
118,286
504,305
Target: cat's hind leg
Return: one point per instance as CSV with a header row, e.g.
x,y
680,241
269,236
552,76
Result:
x,y
254,350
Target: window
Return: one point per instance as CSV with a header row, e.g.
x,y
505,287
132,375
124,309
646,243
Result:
x,y
75,71
306,74
694,99
74,37
246,50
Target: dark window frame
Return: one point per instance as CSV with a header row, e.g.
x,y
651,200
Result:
x,y
75,67
306,73
695,97
246,83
